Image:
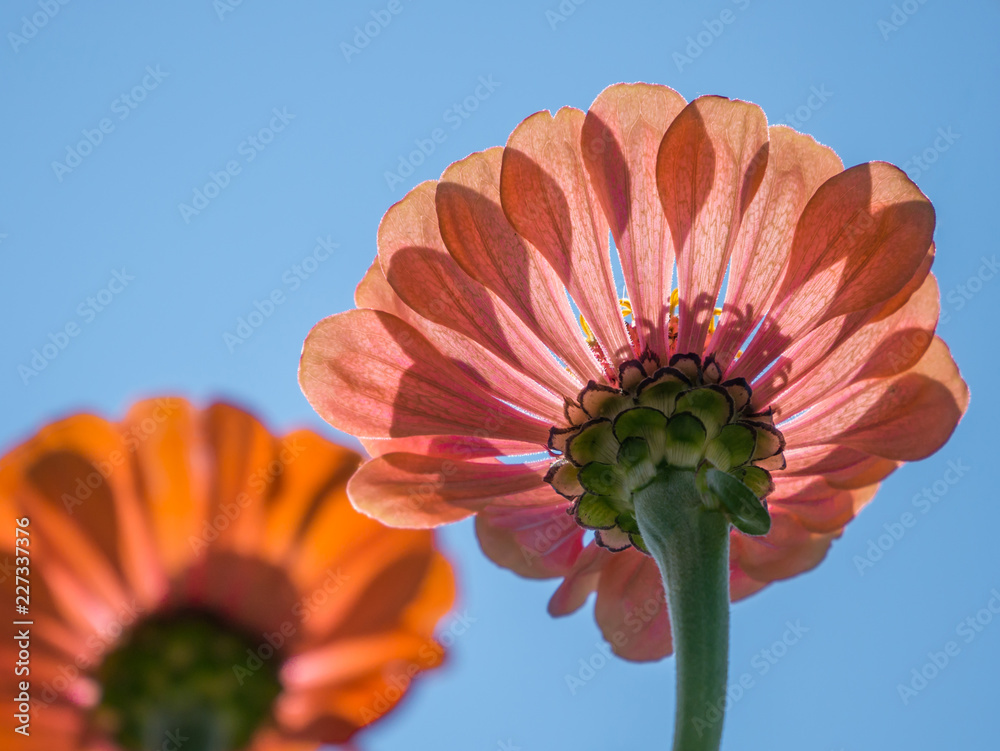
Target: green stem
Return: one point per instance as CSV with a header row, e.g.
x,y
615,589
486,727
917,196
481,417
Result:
x,y
691,546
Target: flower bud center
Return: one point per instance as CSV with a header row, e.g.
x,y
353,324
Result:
x,y
678,417
189,680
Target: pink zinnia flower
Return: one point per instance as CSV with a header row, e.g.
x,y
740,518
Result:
x,y
818,377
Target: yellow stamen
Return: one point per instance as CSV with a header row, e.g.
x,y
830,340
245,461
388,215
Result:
x,y
711,323
626,306
587,333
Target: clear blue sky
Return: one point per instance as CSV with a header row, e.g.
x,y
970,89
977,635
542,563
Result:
x,y
889,90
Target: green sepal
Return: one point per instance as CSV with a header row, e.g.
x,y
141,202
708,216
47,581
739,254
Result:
x,y
596,512
646,423
564,479
732,447
637,540
686,436
661,391
740,504
595,443
757,479
601,479
710,404
633,451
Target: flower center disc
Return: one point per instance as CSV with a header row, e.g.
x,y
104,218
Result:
x,y
674,418
173,684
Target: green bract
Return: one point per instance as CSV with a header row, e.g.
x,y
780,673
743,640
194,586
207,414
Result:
x,y
665,419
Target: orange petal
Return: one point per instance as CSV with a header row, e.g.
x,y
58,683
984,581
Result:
x,y
621,138
711,163
483,243
796,166
371,374
420,270
860,240
631,607
548,199
479,363
538,543
907,417
410,490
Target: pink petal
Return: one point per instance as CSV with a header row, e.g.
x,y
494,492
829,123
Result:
x,y
841,467
420,270
620,140
788,549
710,165
484,367
487,248
410,490
451,446
906,417
796,166
538,543
884,347
548,199
797,364
816,505
580,581
631,607
371,374
860,240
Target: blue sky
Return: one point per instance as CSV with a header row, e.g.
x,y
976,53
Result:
x,y
308,136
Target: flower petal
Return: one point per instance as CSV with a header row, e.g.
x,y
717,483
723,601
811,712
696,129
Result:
x,y
548,199
907,417
710,165
882,348
484,367
796,166
487,248
631,607
420,270
620,140
788,549
860,240
371,374
410,490
580,581
538,543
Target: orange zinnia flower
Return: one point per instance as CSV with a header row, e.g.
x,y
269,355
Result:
x,y
194,582
817,376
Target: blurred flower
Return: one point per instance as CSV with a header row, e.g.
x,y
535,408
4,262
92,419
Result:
x,y
817,376
197,583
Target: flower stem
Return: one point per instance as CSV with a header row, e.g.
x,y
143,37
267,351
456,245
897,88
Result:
x,y
691,546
